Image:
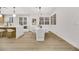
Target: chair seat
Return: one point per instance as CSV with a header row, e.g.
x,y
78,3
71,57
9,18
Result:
x,y
10,30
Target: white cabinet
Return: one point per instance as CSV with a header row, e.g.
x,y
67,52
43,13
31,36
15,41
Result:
x,y
40,34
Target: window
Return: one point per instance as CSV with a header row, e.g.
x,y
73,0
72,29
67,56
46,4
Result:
x,y
46,20
53,19
22,20
25,20
41,20
10,20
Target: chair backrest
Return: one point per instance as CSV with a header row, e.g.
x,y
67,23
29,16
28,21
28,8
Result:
x,y
1,30
10,30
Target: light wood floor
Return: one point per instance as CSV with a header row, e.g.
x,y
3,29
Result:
x,y
28,43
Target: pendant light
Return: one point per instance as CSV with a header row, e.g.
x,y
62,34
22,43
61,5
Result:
x,y
14,15
0,12
40,14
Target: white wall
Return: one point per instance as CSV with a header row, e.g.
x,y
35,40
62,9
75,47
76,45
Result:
x,y
68,25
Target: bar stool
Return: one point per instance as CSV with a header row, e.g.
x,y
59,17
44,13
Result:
x,y
2,32
9,32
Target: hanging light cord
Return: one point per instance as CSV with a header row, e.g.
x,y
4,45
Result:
x,y
39,11
14,10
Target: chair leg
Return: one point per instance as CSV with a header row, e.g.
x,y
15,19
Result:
x,y
1,34
9,34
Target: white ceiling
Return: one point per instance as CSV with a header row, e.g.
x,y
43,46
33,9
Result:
x,y
28,10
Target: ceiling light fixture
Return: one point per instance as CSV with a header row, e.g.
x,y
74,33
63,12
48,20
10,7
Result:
x,y
40,12
14,15
39,8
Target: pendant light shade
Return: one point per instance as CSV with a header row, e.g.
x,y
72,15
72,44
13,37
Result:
x,y
14,15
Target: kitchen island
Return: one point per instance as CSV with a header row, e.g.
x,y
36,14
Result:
x,y
40,34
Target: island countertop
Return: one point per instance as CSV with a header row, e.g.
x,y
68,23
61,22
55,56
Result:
x,y
7,26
